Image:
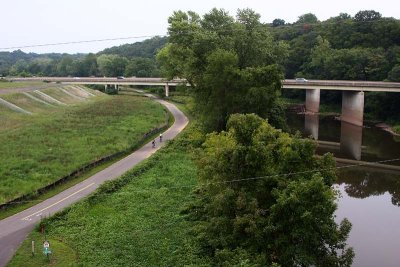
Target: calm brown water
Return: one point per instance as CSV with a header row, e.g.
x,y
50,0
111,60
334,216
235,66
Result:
x,y
370,198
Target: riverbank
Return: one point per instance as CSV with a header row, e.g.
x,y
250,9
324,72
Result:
x,y
394,130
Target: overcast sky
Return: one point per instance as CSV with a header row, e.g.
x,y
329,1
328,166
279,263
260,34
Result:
x,y
31,22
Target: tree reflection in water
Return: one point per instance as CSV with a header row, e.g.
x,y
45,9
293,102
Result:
x,y
363,183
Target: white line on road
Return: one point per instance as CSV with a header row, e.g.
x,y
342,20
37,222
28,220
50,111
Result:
x,y
27,218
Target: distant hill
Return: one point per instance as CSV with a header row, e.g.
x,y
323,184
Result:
x,y
363,47
18,57
145,49
56,64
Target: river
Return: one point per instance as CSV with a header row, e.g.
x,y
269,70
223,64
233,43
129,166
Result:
x,y
370,198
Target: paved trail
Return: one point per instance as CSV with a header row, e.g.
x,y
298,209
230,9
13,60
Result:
x,y
14,229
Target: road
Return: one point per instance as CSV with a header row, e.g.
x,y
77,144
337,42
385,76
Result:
x,y
366,86
14,229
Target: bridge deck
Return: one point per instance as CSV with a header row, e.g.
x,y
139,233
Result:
x,y
286,84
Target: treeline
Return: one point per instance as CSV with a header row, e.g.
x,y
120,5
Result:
x,y
136,59
363,47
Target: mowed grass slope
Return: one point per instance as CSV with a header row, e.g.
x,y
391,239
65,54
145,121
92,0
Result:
x,y
41,148
23,101
140,224
60,95
7,85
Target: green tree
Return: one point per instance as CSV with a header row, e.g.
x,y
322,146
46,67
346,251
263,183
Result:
x,y
299,52
338,30
65,66
320,54
90,67
367,15
224,60
278,22
308,18
141,67
18,67
260,199
394,74
346,64
112,65
145,49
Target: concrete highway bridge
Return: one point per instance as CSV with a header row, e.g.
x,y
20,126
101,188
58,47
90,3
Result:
x,y
352,95
352,91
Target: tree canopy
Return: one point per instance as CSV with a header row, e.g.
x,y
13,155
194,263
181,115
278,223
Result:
x,y
265,198
367,15
278,22
231,63
365,37
307,18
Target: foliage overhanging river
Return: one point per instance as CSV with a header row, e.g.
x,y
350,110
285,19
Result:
x,y
370,198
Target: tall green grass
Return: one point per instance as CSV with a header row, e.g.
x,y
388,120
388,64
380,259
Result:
x,y
39,149
136,220
26,103
61,96
7,85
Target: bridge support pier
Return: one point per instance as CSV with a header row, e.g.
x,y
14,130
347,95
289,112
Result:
x,y
311,125
105,87
353,107
166,90
312,100
116,87
351,140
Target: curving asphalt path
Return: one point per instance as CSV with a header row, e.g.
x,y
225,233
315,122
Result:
x,y
14,229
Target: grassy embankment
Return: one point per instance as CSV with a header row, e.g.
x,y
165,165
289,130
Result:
x,y
135,220
41,148
7,85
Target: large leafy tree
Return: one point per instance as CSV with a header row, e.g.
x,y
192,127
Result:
x,y
278,22
346,64
141,67
367,15
264,197
111,65
231,63
308,18
394,74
